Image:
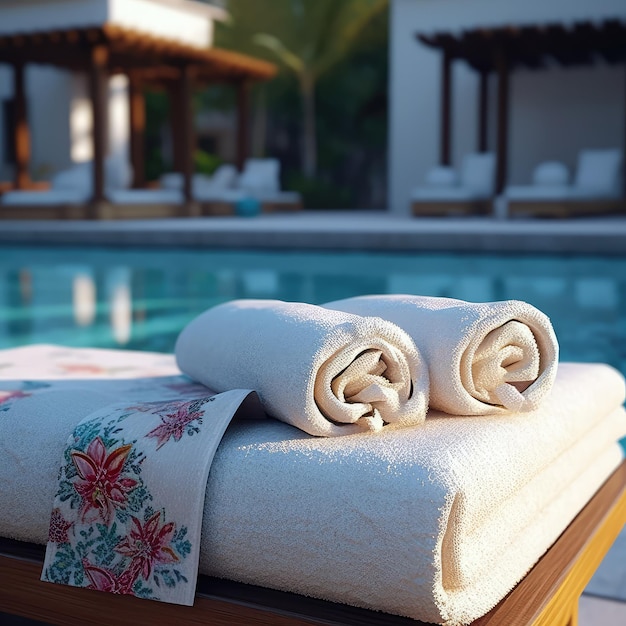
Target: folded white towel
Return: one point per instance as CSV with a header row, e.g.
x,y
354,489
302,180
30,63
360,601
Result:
x,y
326,372
443,519
483,358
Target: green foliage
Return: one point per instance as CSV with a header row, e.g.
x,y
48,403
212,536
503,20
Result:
x,y
308,38
347,56
157,112
311,35
320,194
206,163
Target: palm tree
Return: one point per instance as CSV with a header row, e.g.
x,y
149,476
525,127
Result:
x,y
306,37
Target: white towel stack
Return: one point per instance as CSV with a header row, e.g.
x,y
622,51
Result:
x,y
437,522
483,358
328,373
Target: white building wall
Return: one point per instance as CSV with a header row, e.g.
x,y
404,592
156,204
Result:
x,y
183,20
553,113
175,20
48,98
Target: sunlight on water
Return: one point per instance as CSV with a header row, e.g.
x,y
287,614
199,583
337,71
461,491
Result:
x,y
141,299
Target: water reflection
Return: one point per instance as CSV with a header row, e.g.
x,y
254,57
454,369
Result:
x,y
141,300
84,299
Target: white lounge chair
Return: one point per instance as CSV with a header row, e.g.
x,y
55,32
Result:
x,y
73,185
224,177
467,191
72,189
596,187
260,179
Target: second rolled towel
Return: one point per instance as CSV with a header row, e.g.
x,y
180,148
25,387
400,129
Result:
x,y
483,358
327,372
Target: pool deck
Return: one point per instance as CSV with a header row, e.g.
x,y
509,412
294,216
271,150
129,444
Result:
x,y
352,230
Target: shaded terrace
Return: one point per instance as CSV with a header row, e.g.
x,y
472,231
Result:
x,y
150,62
499,51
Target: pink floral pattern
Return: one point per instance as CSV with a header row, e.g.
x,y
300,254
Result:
x,y
105,532
5,396
100,485
101,579
174,425
149,544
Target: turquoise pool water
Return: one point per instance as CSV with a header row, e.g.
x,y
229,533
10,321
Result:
x,y
141,299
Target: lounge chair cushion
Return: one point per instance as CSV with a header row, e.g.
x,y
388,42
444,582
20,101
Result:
x,y
478,173
75,178
442,176
550,174
224,177
118,174
599,171
260,175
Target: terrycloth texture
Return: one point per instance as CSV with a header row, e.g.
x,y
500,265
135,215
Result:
x,y
326,372
127,514
444,519
416,520
483,358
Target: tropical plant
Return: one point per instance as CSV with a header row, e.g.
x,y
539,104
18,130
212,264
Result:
x,y
307,37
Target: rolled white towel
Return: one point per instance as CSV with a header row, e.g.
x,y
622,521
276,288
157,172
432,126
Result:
x,y
483,358
326,372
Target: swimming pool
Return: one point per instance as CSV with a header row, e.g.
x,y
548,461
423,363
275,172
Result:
x,y
141,299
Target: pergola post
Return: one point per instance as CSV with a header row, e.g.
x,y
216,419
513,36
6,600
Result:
x,y
446,109
187,135
175,119
483,111
137,109
243,123
624,144
98,94
21,135
502,69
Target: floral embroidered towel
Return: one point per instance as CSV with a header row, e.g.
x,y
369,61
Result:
x,y
127,514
